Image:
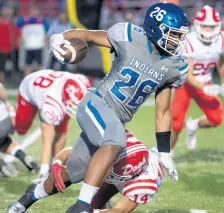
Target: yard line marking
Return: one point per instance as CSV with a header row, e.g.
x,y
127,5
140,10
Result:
x,y
30,139
198,211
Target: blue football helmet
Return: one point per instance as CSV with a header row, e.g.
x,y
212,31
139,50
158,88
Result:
x,y
162,21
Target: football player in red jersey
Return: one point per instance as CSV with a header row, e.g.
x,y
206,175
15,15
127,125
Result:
x,y
204,51
136,175
55,95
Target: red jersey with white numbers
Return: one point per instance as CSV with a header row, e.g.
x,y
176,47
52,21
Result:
x,y
43,89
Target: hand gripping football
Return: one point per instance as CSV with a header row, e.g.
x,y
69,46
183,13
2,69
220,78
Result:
x,y
75,52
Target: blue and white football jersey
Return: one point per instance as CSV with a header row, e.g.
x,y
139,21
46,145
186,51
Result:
x,y
137,71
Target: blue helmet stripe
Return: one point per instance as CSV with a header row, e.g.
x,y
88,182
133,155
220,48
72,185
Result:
x,y
183,69
150,46
129,32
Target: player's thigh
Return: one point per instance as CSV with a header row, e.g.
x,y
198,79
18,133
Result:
x,y
25,114
5,127
179,106
63,127
212,107
79,158
100,122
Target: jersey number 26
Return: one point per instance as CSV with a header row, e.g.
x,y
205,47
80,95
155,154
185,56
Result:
x,y
142,91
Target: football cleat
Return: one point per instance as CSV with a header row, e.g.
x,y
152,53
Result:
x,y
191,139
31,164
40,178
26,200
7,170
16,207
79,207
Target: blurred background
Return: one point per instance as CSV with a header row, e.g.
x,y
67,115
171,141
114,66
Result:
x,y
26,26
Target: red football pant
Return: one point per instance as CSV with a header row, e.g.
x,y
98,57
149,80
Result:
x,y
210,105
25,114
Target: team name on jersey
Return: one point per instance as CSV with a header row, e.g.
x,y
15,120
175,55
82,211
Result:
x,y
137,64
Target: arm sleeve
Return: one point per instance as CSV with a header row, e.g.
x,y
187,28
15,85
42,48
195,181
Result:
x,y
51,115
119,35
177,81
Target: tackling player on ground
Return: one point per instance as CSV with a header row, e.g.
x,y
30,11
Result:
x,y
203,53
49,92
136,174
146,61
7,144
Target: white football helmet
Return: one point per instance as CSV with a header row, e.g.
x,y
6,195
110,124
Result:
x,y
130,162
207,17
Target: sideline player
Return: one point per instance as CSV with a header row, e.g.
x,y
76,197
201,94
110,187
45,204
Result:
x,y
136,174
203,53
49,92
146,61
7,144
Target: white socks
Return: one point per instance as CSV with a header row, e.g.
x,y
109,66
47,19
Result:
x,y
87,193
44,168
14,150
39,192
193,124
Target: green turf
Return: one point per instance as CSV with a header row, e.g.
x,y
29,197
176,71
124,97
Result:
x,y
201,173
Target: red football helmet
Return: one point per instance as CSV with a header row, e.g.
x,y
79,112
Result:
x,y
207,24
130,162
73,91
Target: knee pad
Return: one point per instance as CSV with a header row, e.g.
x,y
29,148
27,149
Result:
x,y
21,131
216,120
177,124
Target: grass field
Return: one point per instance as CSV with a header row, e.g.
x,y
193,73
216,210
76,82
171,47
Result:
x,y
201,173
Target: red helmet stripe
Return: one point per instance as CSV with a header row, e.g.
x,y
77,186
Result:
x,y
214,16
202,16
140,187
140,181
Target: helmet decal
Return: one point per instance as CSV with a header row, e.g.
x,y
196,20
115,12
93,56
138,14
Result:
x,y
166,25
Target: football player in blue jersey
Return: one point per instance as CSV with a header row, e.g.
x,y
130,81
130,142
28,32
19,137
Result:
x,y
147,60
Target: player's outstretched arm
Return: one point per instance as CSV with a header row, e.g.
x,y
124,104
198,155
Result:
x,y
163,131
47,188
3,96
221,69
191,79
47,137
95,37
221,73
163,115
211,90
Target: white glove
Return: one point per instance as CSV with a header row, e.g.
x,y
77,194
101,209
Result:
x,y
212,90
56,41
167,162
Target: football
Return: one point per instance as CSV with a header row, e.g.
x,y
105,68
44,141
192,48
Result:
x,y
75,52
